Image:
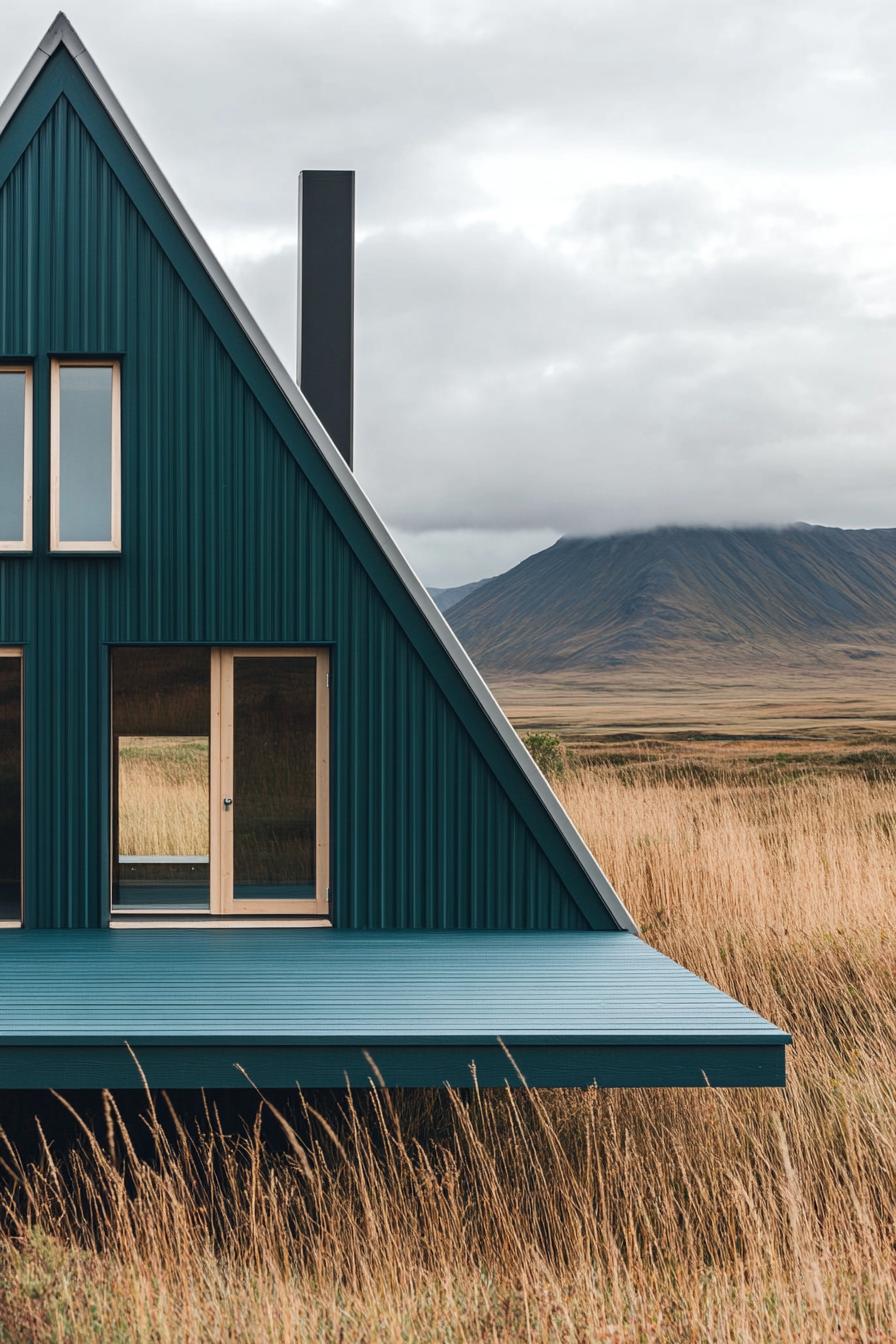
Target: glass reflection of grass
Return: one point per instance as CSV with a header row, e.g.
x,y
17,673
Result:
x,y
163,795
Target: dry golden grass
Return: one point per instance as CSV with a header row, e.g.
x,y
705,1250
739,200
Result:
x,y
163,795
657,1216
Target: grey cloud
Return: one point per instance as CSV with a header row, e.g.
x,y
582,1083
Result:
x,y
741,391
660,219
238,96
506,386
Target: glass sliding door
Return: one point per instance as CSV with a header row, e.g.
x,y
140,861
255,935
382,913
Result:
x,y
160,779
10,784
220,781
274,782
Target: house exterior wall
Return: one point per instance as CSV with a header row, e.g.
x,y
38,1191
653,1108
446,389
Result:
x,y
229,537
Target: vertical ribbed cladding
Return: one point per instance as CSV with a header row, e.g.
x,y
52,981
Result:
x,y
224,542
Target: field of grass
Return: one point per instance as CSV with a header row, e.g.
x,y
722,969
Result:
x,y
557,1216
803,701
163,795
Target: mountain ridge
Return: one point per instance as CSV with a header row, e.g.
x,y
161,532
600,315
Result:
x,y
673,594
446,598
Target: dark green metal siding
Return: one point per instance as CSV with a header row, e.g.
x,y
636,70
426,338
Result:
x,y
227,539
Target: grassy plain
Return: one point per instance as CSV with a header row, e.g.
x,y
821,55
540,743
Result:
x,y
801,699
765,864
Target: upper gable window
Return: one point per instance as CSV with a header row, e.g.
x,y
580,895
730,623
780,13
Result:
x,y
15,459
85,455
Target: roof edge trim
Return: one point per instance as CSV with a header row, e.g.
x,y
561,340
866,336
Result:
x,y
60,30
61,33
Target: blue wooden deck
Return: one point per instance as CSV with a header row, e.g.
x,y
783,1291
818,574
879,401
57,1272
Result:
x,y
304,1005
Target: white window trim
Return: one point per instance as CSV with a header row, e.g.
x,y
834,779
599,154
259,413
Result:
x,y
24,544
84,547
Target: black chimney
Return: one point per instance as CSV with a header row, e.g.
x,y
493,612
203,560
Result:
x,y
327,300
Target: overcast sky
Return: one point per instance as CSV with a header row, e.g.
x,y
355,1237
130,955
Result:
x,y
619,263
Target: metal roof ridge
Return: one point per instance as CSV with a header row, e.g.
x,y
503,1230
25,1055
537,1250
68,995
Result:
x,y
62,33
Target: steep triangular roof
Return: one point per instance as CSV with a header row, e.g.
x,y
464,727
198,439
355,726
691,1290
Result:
x,y
559,837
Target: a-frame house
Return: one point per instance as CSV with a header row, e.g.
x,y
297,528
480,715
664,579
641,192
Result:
x,y
256,805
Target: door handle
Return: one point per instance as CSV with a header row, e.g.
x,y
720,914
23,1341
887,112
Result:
x,y
228,804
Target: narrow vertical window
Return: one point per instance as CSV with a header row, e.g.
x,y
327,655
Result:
x,y
160,786
15,459
10,785
272,814
85,452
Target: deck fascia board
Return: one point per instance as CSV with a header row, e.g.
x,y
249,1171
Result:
x,y
573,1066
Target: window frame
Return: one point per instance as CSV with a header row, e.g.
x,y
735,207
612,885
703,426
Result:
x,y
25,545
221,775
16,651
117,911
57,545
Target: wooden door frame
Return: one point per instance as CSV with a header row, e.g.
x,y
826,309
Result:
x,y
221,783
221,902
